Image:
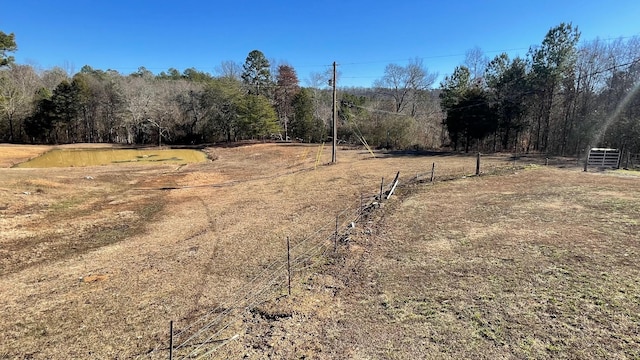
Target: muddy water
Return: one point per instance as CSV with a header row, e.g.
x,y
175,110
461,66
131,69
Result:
x,y
96,157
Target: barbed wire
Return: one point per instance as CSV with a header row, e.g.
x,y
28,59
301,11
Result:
x,y
252,292
254,288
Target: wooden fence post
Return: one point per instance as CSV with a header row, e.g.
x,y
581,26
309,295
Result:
x,y
381,186
433,170
478,164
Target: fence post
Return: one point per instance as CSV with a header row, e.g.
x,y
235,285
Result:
x,y
381,186
546,161
335,237
393,185
433,169
289,265
578,157
586,159
478,164
171,340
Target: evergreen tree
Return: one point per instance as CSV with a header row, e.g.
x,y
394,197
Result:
x,y
303,125
220,101
256,118
551,63
256,73
65,110
286,89
453,89
38,126
468,115
7,44
508,88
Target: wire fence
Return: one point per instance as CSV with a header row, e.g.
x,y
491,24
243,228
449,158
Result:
x,y
202,337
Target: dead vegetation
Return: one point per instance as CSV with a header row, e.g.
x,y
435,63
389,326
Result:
x,y
534,264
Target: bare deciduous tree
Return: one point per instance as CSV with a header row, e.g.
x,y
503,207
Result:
x,y
403,83
229,69
476,61
18,84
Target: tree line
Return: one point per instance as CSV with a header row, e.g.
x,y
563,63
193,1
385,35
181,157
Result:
x,y
559,98
191,107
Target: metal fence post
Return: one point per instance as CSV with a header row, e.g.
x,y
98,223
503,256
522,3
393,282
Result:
x,y
171,340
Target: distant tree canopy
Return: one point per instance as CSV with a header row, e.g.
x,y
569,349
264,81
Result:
x,y
558,99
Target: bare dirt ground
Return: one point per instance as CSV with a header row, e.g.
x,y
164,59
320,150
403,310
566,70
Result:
x,y
95,262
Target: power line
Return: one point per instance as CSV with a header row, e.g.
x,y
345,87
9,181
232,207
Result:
x,y
213,69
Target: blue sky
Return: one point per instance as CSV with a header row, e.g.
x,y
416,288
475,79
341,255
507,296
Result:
x,y
361,36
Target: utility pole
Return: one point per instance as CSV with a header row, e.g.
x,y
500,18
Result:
x,y
335,117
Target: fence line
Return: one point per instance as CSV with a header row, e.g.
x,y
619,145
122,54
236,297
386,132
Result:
x,y
251,291
246,288
252,299
278,273
319,242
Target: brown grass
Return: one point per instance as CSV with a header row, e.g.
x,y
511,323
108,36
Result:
x,y
538,264
95,261
14,154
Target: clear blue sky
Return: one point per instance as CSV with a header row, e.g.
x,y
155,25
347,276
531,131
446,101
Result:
x,y
361,36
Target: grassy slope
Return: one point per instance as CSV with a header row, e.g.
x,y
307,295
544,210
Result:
x,y
540,264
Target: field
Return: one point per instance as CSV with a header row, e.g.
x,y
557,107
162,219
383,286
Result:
x,y
526,261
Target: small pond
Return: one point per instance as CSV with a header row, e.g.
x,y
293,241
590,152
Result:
x,y
97,157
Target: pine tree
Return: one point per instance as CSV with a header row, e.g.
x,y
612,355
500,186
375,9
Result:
x,y
256,73
7,44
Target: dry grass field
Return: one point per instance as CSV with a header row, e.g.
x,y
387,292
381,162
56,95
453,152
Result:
x,y
538,262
